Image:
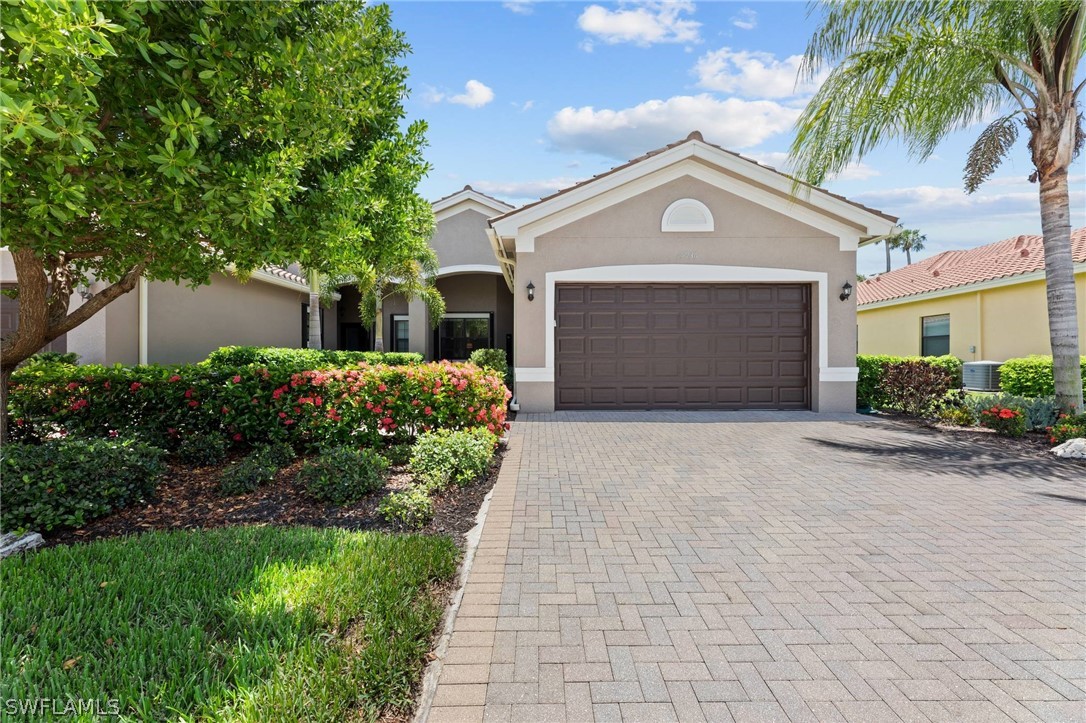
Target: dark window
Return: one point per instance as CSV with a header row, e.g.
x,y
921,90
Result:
x,y
935,335
400,333
459,336
305,326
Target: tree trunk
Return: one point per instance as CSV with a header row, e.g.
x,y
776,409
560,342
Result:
x,y
314,341
1060,288
908,256
379,325
5,379
886,243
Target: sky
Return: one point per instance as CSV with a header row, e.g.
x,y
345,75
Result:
x,y
525,98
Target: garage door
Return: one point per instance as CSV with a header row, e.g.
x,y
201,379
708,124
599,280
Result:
x,y
682,346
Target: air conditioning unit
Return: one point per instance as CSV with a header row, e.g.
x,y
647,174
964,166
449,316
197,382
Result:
x,y
981,376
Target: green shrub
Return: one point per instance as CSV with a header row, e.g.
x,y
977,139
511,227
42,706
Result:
x,y
1031,376
52,357
914,386
247,474
397,453
1006,421
411,508
493,359
202,450
232,357
68,482
1040,412
1067,427
957,416
872,370
343,474
445,456
280,454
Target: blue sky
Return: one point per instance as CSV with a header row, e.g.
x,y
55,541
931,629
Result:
x,y
525,98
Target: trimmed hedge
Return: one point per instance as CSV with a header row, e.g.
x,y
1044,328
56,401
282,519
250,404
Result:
x,y
1031,376
231,357
68,482
869,385
362,406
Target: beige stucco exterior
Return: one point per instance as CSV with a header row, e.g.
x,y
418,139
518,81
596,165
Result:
x,y
987,322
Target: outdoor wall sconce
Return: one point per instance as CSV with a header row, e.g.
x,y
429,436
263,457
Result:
x,y
531,291
846,291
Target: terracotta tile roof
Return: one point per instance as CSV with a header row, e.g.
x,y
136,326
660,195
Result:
x,y
694,136
285,274
1009,257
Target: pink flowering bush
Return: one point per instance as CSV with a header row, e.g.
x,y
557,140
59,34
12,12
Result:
x,y
366,405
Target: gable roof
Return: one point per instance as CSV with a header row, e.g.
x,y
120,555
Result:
x,y
474,199
1015,256
696,139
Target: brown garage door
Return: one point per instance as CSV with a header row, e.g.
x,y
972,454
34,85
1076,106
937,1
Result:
x,y
683,346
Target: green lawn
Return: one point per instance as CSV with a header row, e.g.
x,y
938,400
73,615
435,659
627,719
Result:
x,y
255,623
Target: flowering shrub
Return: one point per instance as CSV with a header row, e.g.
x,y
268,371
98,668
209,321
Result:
x,y
1067,427
367,405
1006,421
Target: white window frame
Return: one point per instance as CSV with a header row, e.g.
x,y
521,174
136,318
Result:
x,y
706,224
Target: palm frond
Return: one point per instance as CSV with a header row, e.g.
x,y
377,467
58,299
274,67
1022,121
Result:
x,y
989,150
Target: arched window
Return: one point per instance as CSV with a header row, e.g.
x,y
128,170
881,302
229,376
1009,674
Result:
x,y
687,214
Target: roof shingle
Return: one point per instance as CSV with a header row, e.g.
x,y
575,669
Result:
x,y
1010,257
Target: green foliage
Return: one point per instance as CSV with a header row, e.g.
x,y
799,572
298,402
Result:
x,y
397,453
957,416
914,386
872,371
202,450
1006,421
248,473
183,139
446,456
242,624
1067,427
68,482
52,357
229,358
411,508
492,359
280,454
1031,376
340,475
369,405
1040,412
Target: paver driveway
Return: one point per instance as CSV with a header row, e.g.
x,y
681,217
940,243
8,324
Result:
x,y
672,566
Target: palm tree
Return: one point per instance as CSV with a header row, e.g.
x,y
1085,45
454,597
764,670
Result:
x,y
314,341
908,240
917,70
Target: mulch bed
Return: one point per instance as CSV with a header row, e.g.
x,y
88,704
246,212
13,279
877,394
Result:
x,y
188,498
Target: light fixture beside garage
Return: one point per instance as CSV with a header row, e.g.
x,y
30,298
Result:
x,y
846,291
531,291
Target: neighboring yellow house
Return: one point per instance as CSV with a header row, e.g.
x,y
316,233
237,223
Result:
x,y
986,303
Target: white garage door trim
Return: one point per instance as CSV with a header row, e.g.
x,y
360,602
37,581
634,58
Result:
x,y
689,273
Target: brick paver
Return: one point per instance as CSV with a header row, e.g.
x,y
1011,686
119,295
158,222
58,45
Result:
x,y
698,566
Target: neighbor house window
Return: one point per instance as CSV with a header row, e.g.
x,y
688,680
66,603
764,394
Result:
x,y
935,335
400,338
460,334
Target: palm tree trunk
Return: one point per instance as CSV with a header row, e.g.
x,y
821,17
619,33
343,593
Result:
x,y
1060,287
314,341
379,325
886,243
908,256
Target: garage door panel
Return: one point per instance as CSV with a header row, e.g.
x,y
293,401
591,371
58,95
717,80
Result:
x,y
726,346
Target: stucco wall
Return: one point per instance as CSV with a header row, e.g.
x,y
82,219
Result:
x,y
461,240
991,324
746,235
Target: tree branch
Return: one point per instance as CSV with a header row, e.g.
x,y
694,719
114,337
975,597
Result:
x,y
99,301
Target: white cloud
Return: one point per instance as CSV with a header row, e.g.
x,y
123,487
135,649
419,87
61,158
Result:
x,y
475,95
733,123
520,7
526,105
525,189
745,19
753,74
642,24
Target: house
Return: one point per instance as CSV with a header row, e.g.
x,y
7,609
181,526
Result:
x,y
690,277
986,303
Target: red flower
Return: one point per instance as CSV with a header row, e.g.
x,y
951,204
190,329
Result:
x,y
175,378
282,415
237,437
237,378
73,385
188,393
194,404
225,410
106,385
78,404
427,411
135,386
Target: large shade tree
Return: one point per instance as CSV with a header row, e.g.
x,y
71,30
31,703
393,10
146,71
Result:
x,y
172,141
914,71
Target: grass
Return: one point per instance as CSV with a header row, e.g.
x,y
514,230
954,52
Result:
x,y
244,623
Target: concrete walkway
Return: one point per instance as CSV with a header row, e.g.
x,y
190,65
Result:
x,y
656,567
